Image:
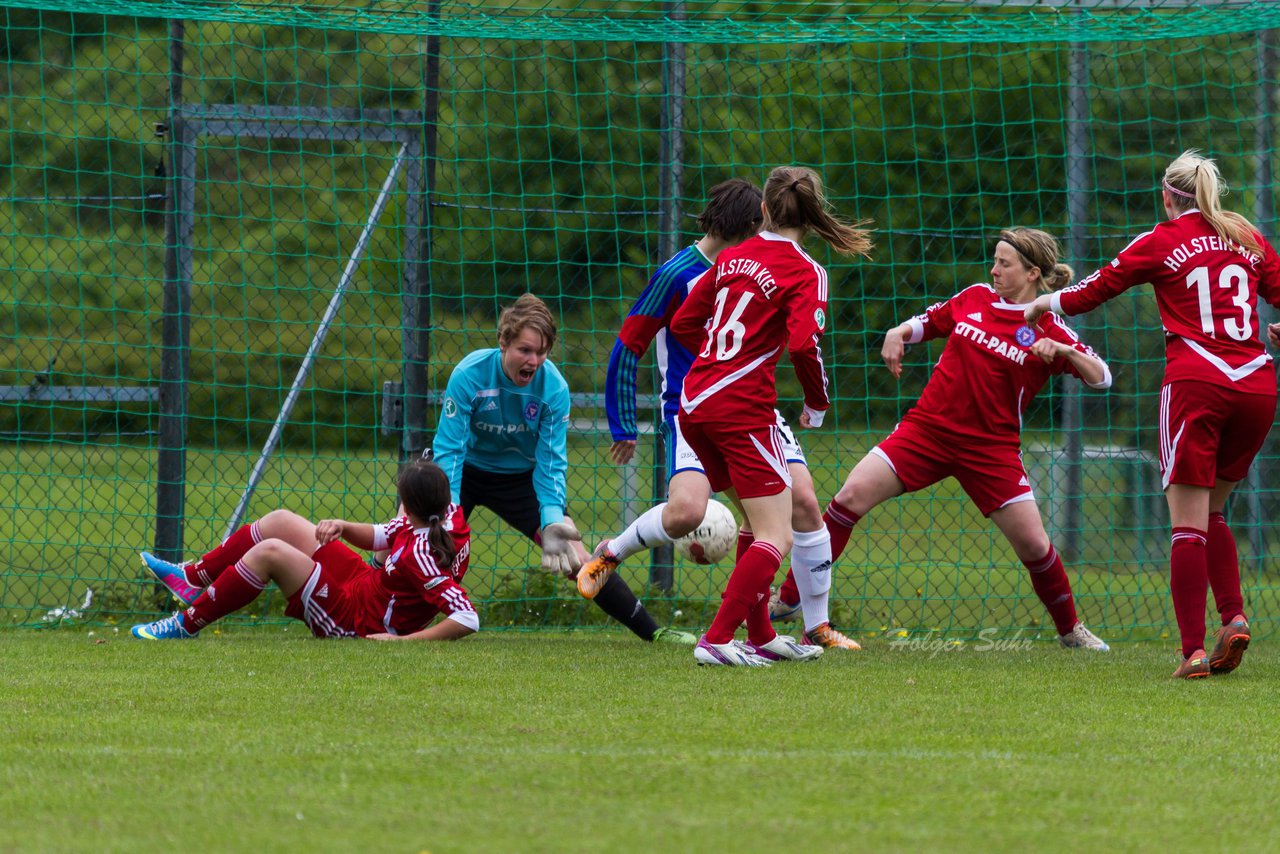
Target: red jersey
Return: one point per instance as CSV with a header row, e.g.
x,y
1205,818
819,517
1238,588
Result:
x,y
987,375
410,589
762,295
1207,289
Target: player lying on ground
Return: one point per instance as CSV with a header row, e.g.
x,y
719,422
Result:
x,y
968,421
501,439
329,586
733,214
761,297
1208,267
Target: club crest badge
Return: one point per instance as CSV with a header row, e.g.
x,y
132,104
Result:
x,y
1025,336
531,412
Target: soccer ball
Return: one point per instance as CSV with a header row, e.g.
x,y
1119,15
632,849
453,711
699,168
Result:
x,y
713,539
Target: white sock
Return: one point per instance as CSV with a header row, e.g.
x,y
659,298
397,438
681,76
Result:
x,y
645,532
811,565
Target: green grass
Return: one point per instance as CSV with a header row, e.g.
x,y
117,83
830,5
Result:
x,y
260,739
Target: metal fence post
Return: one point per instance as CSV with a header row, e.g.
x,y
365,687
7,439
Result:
x,y
171,460
661,571
1077,242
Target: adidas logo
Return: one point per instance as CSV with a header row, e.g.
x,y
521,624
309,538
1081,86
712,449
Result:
x,y
976,317
213,593
489,405
1022,481
323,592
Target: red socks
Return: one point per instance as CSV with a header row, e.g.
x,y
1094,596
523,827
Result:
x,y
1224,569
745,539
203,572
746,596
1189,585
840,521
231,591
1049,578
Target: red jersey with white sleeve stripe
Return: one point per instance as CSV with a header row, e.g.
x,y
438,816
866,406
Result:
x,y
987,375
763,295
411,588
1207,289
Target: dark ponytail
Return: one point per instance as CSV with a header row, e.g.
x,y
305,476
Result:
x,y
424,492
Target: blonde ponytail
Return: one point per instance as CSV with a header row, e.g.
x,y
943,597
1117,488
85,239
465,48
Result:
x,y
1193,178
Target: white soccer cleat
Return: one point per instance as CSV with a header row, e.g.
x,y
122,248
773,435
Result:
x,y
779,611
784,648
731,654
1081,638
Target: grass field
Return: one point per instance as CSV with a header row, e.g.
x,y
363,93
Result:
x,y
261,739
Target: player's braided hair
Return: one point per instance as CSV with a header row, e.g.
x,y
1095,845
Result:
x,y
527,312
793,198
1038,250
733,211
424,491
1193,180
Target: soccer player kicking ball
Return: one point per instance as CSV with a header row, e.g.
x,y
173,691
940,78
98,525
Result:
x,y
761,296
733,213
968,421
330,587
1208,267
501,439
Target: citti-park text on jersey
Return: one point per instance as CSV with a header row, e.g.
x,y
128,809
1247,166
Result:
x,y
1012,352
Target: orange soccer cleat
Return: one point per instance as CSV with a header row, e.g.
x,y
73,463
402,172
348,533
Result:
x,y
828,638
1194,666
595,572
1232,640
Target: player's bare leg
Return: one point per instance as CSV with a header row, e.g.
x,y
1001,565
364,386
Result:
x,y
186,581
1023,527
291,528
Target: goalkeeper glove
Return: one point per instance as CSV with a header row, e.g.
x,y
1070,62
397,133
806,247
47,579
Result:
x,y
558,553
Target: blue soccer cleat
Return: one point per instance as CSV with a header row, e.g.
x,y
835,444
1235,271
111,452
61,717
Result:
x,y
171,576
779,611
169,628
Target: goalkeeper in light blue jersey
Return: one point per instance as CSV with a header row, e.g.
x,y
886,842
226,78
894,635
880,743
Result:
x,y
502,441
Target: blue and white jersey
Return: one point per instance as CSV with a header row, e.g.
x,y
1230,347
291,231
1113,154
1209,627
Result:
x,y
489,422
649,320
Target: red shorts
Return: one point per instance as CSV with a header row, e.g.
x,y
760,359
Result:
x,y
992,475
752,460
326,603
1209,432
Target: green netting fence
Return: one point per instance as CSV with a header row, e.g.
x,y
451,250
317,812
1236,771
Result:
x,y
190,192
